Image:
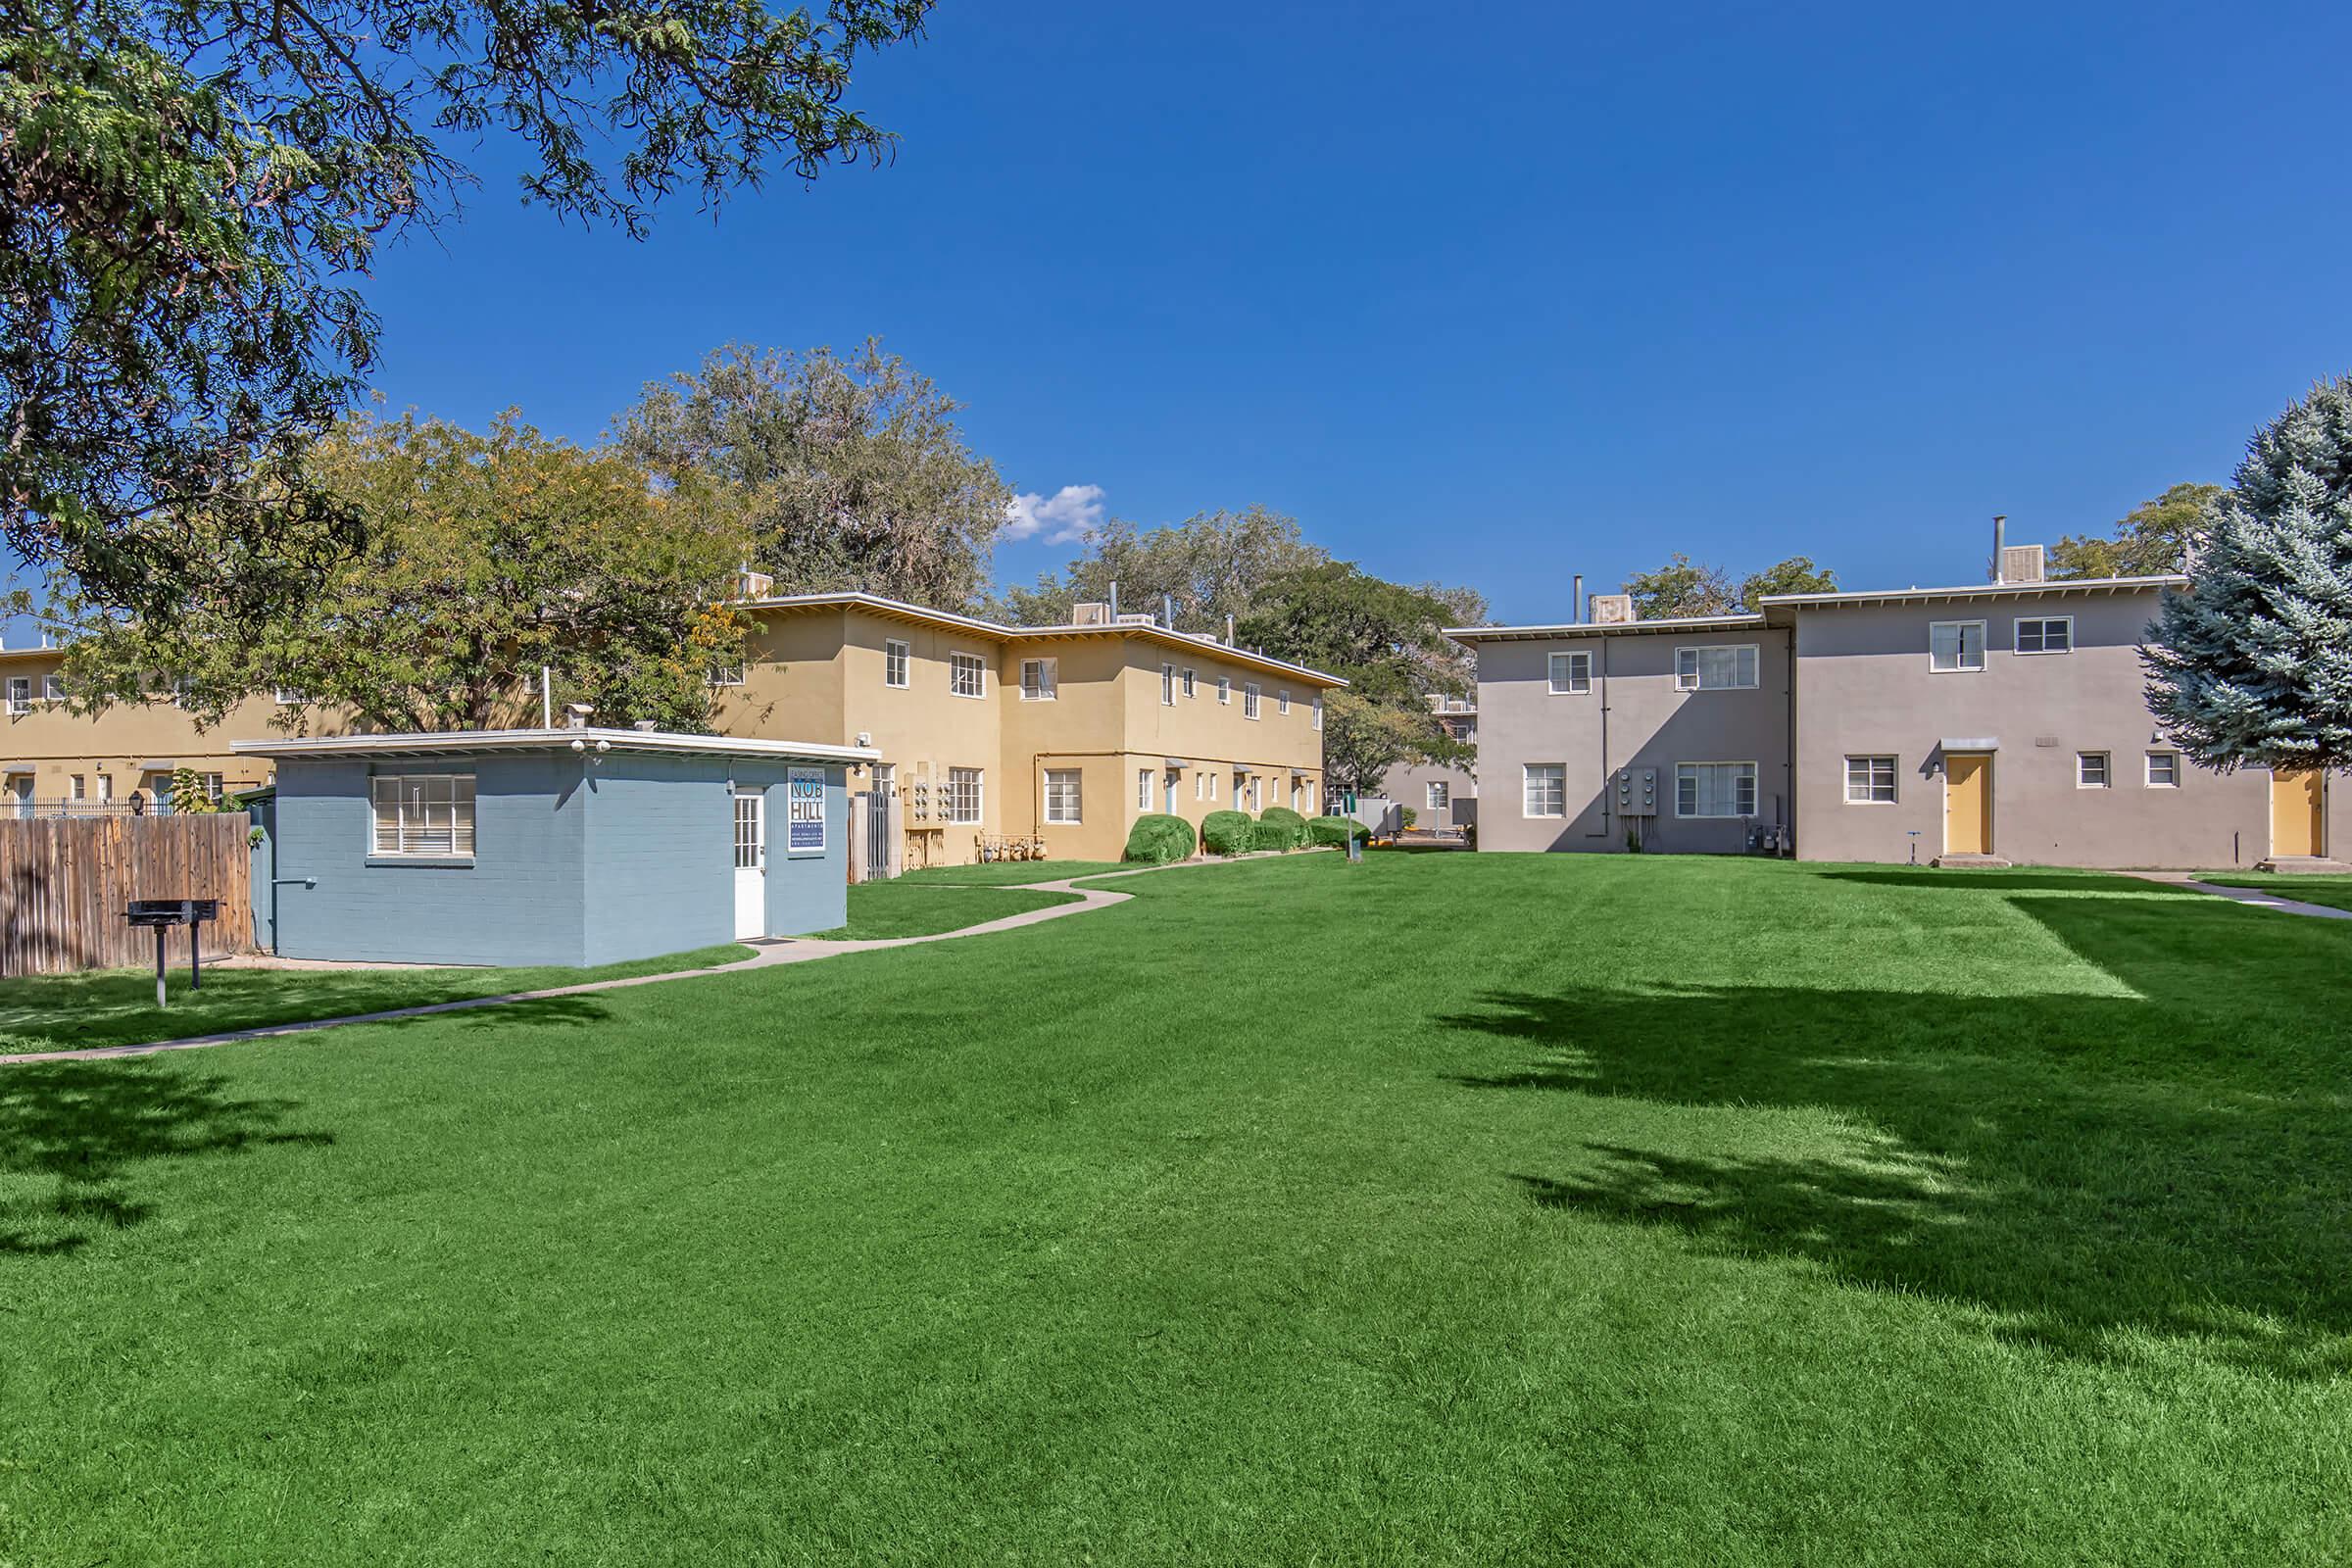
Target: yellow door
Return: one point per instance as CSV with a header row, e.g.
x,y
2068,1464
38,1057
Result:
x,y
1968,805
2295,818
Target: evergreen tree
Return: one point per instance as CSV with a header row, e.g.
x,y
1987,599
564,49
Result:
x,y
2252,665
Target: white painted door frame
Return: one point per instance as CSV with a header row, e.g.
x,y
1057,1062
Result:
x,y
751,862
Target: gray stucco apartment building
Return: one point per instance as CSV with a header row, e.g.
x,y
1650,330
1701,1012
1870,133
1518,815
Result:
x,y
1995,724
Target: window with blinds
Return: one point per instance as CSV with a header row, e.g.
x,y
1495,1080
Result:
x,y
1955,645
1710,669
1571,674
893,663
1061,795
423,813
1715,789
1039,680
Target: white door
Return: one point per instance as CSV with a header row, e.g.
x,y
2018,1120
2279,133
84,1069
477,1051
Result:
x,y
751,862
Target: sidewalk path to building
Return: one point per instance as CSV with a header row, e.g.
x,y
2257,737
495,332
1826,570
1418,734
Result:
x,y
772,952
2258,897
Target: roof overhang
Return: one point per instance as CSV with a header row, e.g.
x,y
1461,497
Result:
x,y
479,742
2058,588
1970,743
1473,635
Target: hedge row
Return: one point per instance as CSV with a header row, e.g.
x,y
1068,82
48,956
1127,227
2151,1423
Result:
x,y
1336,831
1157,840
1228,833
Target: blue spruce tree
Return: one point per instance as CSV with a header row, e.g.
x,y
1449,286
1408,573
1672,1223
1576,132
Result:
x,y
2251,665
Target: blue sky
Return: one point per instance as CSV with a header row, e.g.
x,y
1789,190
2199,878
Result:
x,y
1501,294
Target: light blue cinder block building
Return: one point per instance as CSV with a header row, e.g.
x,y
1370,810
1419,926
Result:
x,y
577,846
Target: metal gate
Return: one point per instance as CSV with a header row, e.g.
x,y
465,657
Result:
x,y
877,816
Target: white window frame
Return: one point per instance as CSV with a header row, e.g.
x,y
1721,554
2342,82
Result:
x,y
1282,702
289,695
1250,696
1167,685
1734,815
2172,761
1695,678
960,664
1225,690
2017,630
1870,762
455,843
723,675
1188,683
2106,761
1048,686
1961,666
53,686
897,660
1569,672
955,796
1143,789
1065,797
1436,795
1550,772
20,694
77,787
106,786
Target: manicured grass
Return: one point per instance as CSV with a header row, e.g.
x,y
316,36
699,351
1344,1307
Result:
x,y
2335,892
879,910
999,874
116,1007
1440,1209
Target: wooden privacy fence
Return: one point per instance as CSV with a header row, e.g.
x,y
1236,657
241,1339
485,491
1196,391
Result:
x,y
63,886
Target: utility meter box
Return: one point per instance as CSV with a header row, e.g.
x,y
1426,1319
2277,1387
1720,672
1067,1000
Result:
x,y
1637,792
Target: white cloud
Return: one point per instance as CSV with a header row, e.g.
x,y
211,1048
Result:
x,y
1071,512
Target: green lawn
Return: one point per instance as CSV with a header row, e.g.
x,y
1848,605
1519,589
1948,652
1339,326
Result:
x,y
998,873
116,1007
2335,892
1471,1208
903,909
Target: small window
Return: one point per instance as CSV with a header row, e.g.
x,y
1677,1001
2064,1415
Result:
x,y
1546,791
2051,635
419,813
965,677
1955,645
2091,770
1188,684
1318,710
1143,789
1869,780
963,795
1039,680
1201,783
1572,674
2164,770
886,780
1282,699
1435,794
1712,670
1167,685
1224,688
53,687
1061,795
726,675
77,787
893,663
1249,699
1715,789
289,695
20,694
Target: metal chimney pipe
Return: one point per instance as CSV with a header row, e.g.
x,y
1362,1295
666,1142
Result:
x,y
2000,535
1114,602
1576,600
1168,611
1229,630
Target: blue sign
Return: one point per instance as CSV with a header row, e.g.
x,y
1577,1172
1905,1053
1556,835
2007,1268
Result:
x,y
804,811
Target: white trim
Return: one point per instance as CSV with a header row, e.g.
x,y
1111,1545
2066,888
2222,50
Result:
x,y
1251,700
2085,586
1754,650
1580,684
1754,792
1048,680
1190,683
2148,768
1527,771
542,740
905,653
1983,637
979,797
2045,621
1593,628
1074,781
2106,770
1167,685
955,664
1894,771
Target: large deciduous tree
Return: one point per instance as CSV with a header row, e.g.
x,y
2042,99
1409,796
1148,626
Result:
x,y
1213,565
190,191
1795,575
487,557
2151,540
1679,588
849,472
2251,665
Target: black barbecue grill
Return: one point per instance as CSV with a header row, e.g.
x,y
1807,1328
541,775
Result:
x,y
161,914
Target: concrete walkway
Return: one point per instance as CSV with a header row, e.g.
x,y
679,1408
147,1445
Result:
x,y
2258,898
774,952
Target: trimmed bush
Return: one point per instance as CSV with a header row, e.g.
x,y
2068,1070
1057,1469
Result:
x,y
1159,839
1228,832
1336,831
1281,828
1406,817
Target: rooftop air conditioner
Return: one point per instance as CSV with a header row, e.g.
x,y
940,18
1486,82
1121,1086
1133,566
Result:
x,y
2022,563
1090,613
1612,610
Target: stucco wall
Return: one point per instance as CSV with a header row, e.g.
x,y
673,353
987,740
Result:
x,y
1648,724
1866,688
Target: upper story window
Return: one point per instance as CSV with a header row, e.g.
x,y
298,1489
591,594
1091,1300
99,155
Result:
x,y
1167,685
1572,674
1249,699
1715,789
2054,634
1282,699
1709,669
295,696
20,694
1224,688
1955,645
720,676
53,687
1318,710
1039,680
893,663
964,675
422,814
1188,683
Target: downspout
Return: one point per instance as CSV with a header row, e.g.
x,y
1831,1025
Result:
x,y
1603,831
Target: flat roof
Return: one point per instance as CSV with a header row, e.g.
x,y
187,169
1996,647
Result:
x,y
594,738
1149,632
2058,586
1741,621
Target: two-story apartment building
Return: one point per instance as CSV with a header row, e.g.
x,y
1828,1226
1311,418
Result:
x,y
1441,797
1990,723
54,759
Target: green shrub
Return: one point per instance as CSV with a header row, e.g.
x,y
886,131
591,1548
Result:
x,y
1228,832
1406,817
1159,839
1336,831
1280,828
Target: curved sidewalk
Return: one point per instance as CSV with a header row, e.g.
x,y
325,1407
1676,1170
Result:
x,y
796,950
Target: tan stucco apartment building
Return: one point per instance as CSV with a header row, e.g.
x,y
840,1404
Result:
x,y
1998,722
1061,734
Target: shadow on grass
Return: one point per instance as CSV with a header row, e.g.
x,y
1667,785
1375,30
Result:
x,y
70,1134
2096,1171
1965,880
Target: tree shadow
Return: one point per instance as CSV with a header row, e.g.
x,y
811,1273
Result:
x,y
1965,879
72,1133
2097,1172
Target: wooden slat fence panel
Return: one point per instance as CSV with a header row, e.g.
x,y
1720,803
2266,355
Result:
x,y
63,883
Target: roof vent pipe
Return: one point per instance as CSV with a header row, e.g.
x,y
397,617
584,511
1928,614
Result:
x,y
1229,629
2000,537
1576,600
1114,602
1168,611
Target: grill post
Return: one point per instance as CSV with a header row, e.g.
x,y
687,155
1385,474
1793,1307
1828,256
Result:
x,y
159,968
